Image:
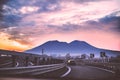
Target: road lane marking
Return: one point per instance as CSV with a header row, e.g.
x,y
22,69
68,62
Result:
x,y
102,69
5,63
69,70
17,64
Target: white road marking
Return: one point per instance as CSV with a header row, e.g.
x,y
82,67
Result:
x,y
102,69
17,64
69,70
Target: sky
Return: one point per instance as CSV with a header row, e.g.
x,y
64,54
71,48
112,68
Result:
x,y
25,24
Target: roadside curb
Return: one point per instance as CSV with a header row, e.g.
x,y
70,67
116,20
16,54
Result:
x,y
69,70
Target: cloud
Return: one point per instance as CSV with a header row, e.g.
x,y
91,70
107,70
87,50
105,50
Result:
x,y
112,20
73,13
28,9
55,12
18,34
9,44
36,21
2,2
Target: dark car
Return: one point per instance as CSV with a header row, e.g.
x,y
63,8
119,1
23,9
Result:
x,y
71,62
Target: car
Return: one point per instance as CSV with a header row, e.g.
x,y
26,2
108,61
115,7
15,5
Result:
x,y
71,62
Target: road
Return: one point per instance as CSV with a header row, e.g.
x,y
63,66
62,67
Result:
x,y
89,73
75,73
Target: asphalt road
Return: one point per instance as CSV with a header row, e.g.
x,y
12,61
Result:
x,y
75,73
89,73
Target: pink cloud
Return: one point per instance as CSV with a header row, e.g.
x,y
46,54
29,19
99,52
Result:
x,y
69,13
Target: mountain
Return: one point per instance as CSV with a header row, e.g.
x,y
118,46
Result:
x,y
75,47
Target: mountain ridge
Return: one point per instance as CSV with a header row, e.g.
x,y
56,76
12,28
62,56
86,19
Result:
x,y
74,47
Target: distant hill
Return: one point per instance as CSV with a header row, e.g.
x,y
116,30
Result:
x,y
75,47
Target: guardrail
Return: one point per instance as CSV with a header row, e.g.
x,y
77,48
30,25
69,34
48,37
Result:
x,y
30,70
5,64
20,59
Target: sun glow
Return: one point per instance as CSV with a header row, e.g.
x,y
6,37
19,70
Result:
x,y
7,44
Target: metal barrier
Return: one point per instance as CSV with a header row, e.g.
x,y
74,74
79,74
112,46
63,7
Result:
x,y
30,70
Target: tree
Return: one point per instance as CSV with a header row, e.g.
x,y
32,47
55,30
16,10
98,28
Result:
x,y
68,56
103,56
92,55
83,56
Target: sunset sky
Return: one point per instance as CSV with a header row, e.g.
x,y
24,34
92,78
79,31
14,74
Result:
x,y
25,24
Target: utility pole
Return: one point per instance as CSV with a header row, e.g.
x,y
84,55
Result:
x,y
91,57
103,55
42,51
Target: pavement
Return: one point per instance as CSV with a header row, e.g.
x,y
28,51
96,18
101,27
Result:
x,y
74,73
89,73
